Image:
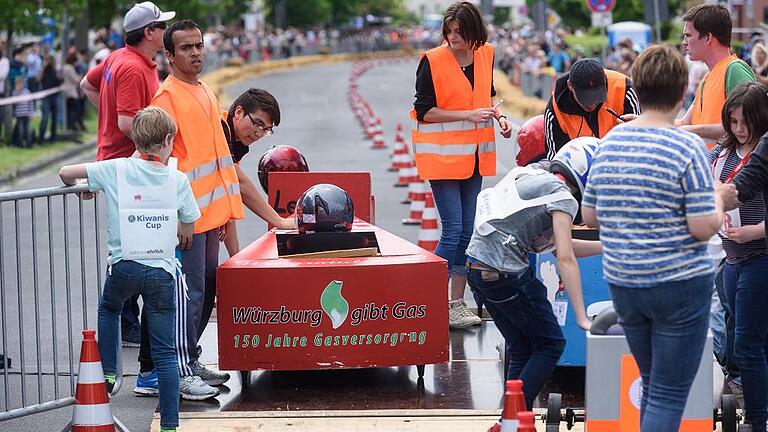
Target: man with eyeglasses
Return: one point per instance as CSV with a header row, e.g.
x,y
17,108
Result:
x,y
120,86
251,117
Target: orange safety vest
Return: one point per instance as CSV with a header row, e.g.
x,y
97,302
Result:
x,y
447,150
713,84
576,126
204,156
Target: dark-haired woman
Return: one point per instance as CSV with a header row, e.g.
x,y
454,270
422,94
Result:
x,y
454,139
745,120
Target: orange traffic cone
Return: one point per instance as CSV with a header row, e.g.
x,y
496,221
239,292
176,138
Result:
x,y
514,404
378,139
92,412
399,141
429,234
417,204
527,419
400,158
370,131
404,176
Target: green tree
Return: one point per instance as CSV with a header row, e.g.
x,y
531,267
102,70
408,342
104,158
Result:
x,y
575,13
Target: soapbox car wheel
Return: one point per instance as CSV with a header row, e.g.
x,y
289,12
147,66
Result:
x,y
729,419
554,404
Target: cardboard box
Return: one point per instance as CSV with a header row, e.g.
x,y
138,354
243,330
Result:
x,y
279,313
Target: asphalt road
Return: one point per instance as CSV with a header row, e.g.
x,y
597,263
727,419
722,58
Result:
x,y
315,118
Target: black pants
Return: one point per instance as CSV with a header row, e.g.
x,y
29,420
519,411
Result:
x,y
21,134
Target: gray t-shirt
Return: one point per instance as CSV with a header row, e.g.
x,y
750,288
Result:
x,y
528,230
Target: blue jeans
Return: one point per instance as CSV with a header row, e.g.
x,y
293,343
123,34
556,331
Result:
x,y
456,201
666,327
49,114
746,291
157,289
519,307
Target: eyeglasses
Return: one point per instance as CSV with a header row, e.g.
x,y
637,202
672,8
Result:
x,y
259,127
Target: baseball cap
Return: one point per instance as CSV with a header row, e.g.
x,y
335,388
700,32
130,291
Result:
x,y
143,14
589,82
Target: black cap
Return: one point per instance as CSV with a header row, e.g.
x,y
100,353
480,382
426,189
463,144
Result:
x,y
588,80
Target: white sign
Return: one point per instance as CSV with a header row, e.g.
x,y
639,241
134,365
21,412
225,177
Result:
x,y
602,19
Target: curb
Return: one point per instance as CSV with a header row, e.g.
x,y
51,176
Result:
x,y
36,167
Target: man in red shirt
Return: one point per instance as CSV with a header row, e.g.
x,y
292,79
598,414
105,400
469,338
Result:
x,y
120,86
126,81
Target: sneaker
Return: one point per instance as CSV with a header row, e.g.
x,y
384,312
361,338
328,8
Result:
x,y
459,315
109,383
211,377
194,388
148,385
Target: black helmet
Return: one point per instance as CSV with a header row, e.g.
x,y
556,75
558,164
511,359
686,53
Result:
x,y
324,208
280,158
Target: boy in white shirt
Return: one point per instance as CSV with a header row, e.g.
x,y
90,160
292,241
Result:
x,y
145,200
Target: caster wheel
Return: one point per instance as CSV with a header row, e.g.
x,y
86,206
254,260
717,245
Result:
x,y
729,420
554,404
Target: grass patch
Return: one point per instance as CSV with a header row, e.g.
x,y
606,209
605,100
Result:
x,y
13,158
589,44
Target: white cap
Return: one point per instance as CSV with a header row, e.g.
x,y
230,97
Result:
x,y
715,248
143,14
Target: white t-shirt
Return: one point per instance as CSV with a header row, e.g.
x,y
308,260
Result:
x,y
103,176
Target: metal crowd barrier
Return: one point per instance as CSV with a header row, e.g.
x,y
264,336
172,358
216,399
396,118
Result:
x,y
51,273
537,85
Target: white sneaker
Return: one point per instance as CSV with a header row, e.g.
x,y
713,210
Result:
x,y
459,315
194,388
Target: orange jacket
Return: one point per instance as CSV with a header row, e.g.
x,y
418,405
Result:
x,y
712,90
203,154
447,150
575,125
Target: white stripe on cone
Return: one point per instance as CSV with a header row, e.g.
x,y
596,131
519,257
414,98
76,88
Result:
x,y
90,373
429,235
92,415
508,425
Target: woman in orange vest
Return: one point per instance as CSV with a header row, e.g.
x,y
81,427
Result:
x,y
454,139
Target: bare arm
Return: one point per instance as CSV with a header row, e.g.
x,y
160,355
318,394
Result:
x,y
125,123
686,118
231,242
709,132
587,248
255,202
569,268
704,227
69,174
589,216
91,92
439,115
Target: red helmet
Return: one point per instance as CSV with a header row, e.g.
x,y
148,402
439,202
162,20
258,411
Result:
x,y
530,138
280,158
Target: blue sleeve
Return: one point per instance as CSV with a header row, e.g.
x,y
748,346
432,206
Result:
x,y
697,184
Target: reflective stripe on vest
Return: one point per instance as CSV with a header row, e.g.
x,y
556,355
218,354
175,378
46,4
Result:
x,y
454,149
220,192
576,126
456,126
209,168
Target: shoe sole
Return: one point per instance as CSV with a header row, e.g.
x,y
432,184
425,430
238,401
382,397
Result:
x,y
197,397
214,383
144,391
460,326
